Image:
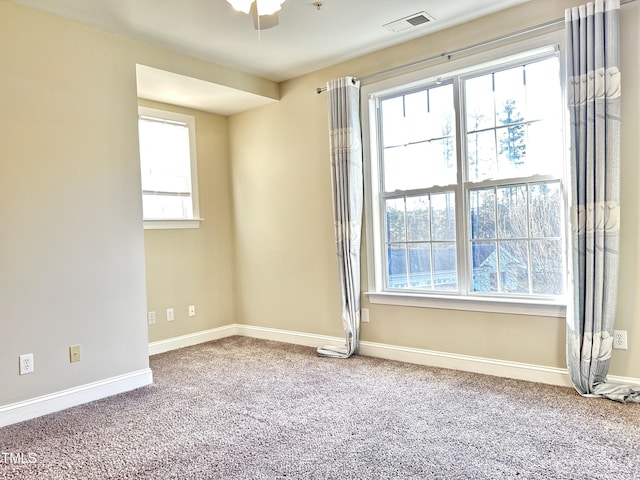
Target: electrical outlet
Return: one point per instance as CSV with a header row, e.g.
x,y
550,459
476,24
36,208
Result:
x,y
364,315
192,310
151,318
170,315
26,364
74,353
620,339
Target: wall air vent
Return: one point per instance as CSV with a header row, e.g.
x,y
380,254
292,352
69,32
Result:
x,y
415,20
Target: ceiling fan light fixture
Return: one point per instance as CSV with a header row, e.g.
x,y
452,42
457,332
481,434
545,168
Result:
x,y
265,7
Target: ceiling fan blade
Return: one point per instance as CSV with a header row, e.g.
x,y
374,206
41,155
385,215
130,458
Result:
x,y
263,22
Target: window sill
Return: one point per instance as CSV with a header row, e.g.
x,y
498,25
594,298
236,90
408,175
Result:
x,y
472,304
171,224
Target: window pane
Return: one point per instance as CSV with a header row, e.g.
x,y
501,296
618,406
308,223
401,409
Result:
x,y
512,151
418,218
395,220
406,167
544,148
420,116
415,121
157,207
512,211
419,165
441,112
405,119
546,209
165,156
165,168
511,99
524,212
393,132
543,92
514,267
397,265
524,136
483,213
481,148
420,265
418,137
484,266
443,216
480,103
547,267
442,166
445,275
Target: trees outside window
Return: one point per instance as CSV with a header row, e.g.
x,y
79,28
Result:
x,y
470,184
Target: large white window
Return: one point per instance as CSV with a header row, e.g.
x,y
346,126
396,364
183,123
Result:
x,y
168,169
466,186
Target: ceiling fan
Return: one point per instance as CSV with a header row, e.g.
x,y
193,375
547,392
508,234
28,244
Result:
x,y
264,12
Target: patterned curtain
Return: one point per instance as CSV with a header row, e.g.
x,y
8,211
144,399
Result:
x,y
346,173
594,105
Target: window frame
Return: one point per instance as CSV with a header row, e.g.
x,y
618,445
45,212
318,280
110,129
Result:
x,y
176,223
450,69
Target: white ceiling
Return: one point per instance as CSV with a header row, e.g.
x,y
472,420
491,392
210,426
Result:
x,y
168,87
307,39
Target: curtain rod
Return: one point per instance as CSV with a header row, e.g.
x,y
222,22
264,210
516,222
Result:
x,y
422,61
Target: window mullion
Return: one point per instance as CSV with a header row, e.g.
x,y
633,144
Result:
x,y
462,241
497,240
406,243
381,270
529,238
384,244
432,271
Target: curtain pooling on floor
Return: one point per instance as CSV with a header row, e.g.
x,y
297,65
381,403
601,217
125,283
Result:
x,y
345,144
594,101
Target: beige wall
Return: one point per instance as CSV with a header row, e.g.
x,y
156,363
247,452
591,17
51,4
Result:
x,y
284,224
72,260
72,257
72,246
627,363
195,266
286,266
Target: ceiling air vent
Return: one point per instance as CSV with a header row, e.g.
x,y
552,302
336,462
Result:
x,y
415,20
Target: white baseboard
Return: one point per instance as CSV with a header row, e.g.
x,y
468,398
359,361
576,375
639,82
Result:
x,y
54,402
287,336
623,380
36,407
192,339
486,366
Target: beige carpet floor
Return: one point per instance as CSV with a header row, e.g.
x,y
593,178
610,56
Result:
x,y
242,408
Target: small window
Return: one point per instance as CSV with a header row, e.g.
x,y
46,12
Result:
x,y
168,169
